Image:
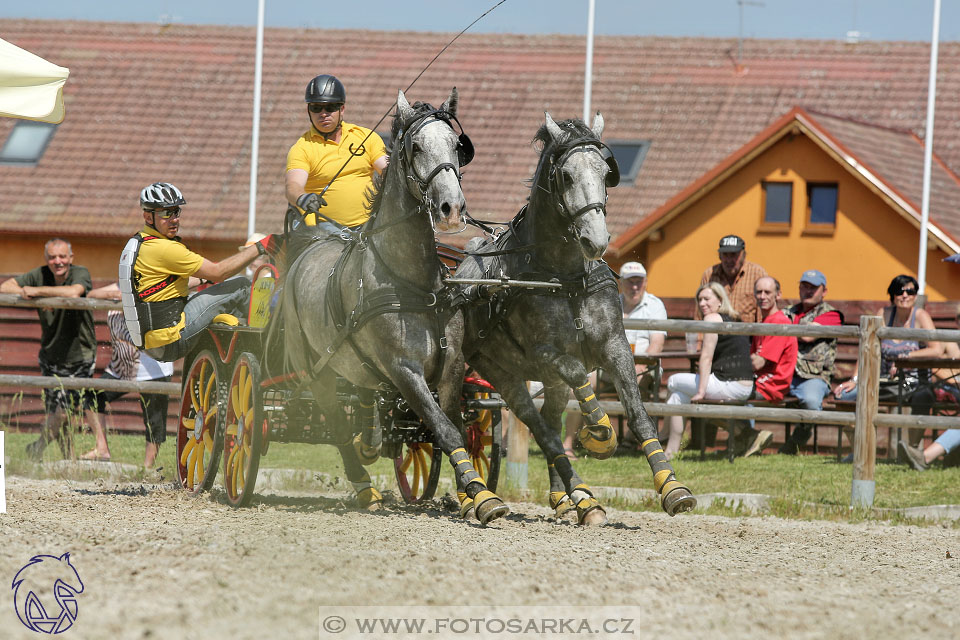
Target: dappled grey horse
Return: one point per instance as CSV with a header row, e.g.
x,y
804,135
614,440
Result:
x,y
557,336
377,312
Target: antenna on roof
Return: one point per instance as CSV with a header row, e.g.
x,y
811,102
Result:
x,y
740,4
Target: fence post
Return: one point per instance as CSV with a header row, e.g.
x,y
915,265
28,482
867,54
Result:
x,y
865,432
518,444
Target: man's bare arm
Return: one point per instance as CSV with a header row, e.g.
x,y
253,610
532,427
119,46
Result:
x,y
218,271
61,291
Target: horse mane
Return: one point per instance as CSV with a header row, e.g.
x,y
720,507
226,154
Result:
x,y
374,193
575,128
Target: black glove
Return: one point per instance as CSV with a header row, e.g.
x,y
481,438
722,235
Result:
x,y
311,202
271,244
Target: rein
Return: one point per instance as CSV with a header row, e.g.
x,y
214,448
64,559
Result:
x,y
399,295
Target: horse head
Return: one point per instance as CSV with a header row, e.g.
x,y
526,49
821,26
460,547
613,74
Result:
x,y
432,153
576,169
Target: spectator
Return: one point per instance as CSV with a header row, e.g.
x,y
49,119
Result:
x,y
902,312
815,356
635,303
920,459
128,363
167,322
318,156
68,343
737,276
774,358
944,389
725,370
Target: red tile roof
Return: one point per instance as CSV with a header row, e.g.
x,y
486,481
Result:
x,y
147,102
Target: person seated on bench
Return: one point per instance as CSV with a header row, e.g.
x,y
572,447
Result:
x,y
920,459
902,312
815,356
774,359
725,369
165,324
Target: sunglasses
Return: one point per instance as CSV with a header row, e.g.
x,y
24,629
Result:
x,y
909,292
325,108
166,214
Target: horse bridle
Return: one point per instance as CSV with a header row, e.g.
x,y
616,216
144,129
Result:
x,y
556,182
465,151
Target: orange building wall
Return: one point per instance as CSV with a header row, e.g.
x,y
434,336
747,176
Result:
x,y
19,254
871,244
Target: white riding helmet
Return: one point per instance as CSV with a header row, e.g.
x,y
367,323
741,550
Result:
x,y
161,195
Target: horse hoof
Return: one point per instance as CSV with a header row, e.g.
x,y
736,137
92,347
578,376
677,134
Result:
x,y
590,513
678,501
466,507
594,517
370,499
366,455
487,507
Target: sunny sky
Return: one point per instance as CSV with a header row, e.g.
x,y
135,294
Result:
x,y
827,19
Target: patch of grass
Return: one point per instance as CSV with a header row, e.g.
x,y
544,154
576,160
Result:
x,y
799,487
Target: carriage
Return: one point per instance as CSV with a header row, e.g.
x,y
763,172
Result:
x,y
230,411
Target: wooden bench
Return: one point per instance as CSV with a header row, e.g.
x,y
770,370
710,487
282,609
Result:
x,y
700,426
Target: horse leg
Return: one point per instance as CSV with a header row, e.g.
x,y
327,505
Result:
x,y
324,391
487,505
559,499
567,490
564,481
597,436
367,443
674,496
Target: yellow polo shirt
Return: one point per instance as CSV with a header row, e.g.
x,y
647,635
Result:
x,y
159,258
321,159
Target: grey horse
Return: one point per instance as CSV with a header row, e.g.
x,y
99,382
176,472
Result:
x,y
377,312
558,336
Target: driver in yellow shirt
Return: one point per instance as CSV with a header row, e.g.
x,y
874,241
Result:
x,y
330,146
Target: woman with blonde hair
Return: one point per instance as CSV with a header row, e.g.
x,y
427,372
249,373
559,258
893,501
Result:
x,y
725,369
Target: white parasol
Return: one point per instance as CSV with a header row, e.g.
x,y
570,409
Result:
x,y
30,87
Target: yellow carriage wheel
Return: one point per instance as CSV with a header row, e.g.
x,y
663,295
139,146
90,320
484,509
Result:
x,y
198,450
417,469
243,431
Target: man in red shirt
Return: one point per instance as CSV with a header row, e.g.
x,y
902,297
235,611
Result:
x,y
774,358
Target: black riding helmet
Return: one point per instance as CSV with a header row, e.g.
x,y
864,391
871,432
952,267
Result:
x,y
325,88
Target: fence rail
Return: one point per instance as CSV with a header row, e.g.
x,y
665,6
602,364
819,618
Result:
x,y
865,418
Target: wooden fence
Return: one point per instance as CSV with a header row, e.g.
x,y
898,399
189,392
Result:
x,y
865,419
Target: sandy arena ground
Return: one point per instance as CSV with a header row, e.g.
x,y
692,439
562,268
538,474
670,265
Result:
x,y
159,564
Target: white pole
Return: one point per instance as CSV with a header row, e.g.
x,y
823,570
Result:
x,y
928,149
588,76
255,140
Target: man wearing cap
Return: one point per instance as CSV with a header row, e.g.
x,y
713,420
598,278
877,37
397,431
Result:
x,y
816,356
737,276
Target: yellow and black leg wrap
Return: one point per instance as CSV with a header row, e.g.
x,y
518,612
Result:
x,y
596,435
674,496
582,496
367,443
463,468
367,496
466,504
